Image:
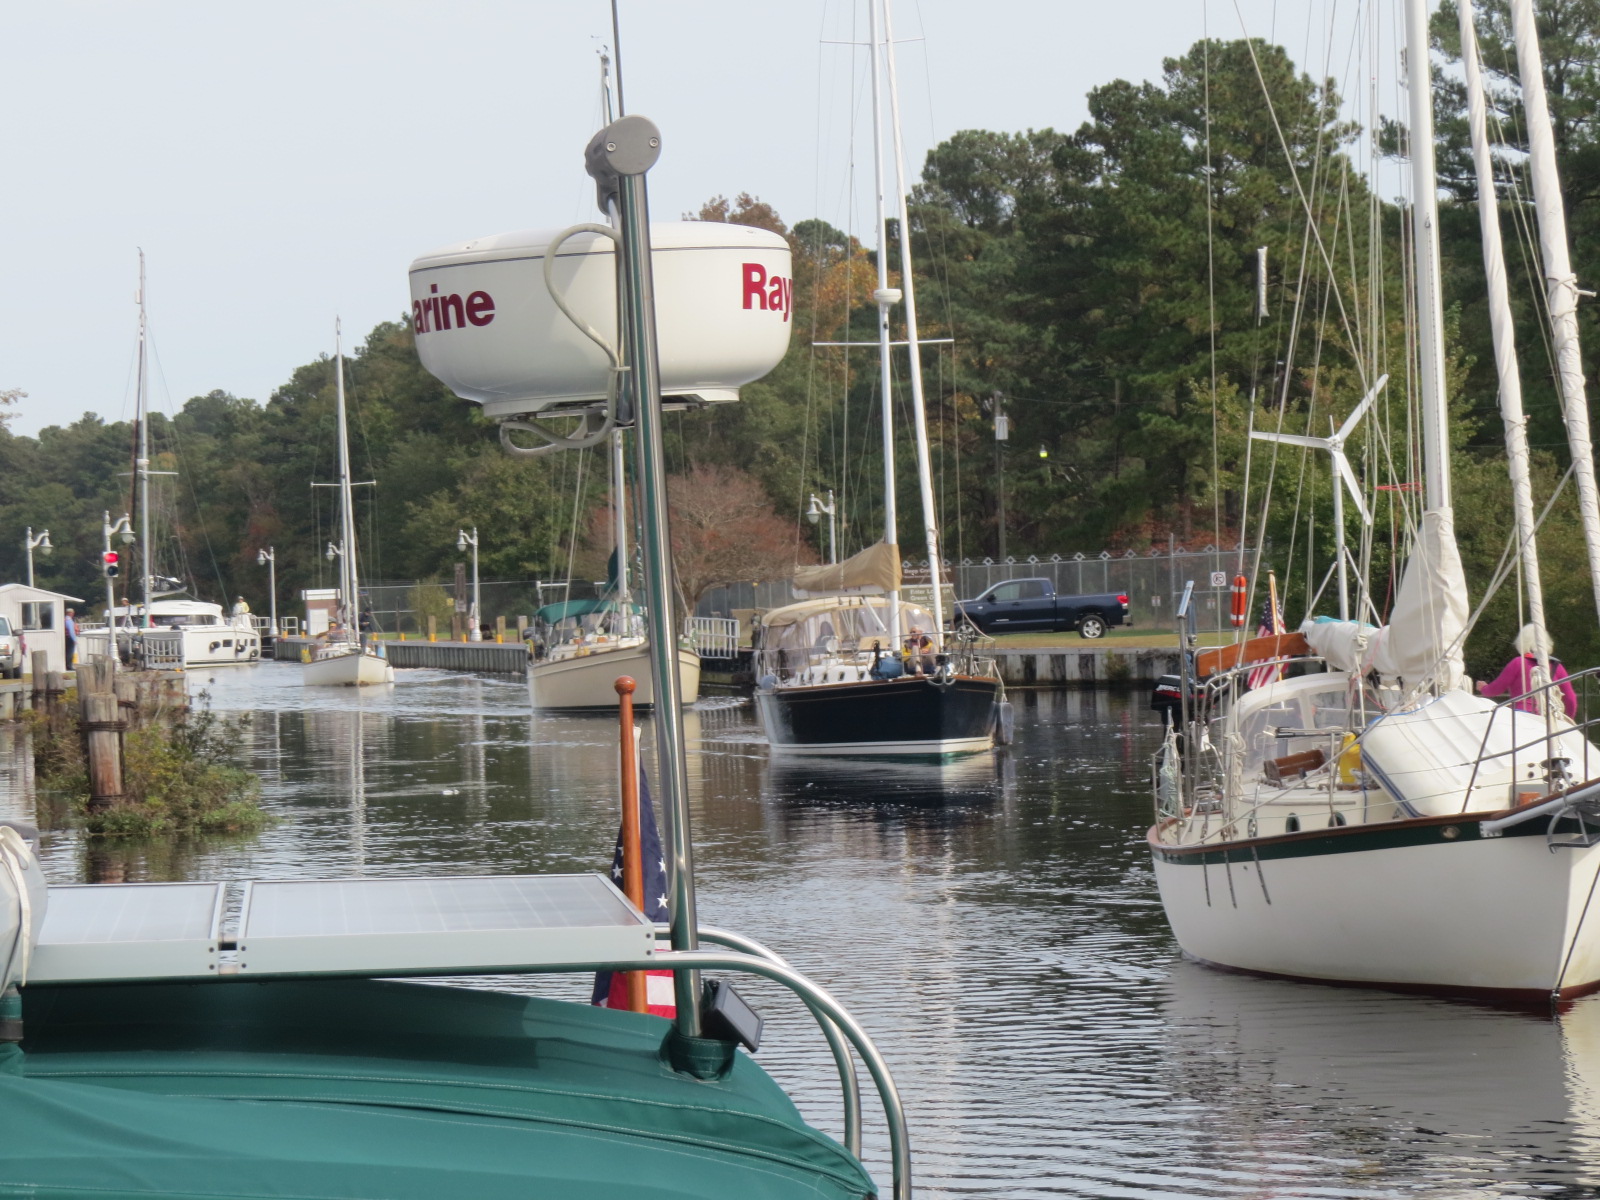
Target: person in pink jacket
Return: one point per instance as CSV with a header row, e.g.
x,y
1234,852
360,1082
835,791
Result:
x,y
1520,674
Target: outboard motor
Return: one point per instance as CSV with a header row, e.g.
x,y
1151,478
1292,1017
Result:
x,y
1167,696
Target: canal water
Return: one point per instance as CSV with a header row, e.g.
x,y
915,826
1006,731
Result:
x,y
993,923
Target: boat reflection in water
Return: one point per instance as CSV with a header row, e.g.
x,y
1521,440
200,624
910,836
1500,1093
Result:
x,y
1314,1083
980,780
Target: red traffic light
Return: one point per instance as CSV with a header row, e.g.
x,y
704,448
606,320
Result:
x,y
110,558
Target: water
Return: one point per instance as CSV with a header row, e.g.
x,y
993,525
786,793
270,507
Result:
x,y
992,923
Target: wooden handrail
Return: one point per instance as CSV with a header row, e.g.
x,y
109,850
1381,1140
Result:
x,y
1259,649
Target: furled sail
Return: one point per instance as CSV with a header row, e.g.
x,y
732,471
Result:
x,y
1422,640
874,571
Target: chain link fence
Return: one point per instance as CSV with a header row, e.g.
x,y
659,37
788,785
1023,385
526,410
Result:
x,y
1153,582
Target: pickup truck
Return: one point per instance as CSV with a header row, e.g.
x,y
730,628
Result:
x,y
1031,605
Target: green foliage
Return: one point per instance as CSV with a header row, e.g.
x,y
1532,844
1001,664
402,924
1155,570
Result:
x,y
178,778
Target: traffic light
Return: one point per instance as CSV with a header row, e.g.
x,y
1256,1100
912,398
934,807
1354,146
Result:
x,y
109,559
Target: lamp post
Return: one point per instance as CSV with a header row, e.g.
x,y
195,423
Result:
x,y
814,511
463,540
110,564
266,558
42,544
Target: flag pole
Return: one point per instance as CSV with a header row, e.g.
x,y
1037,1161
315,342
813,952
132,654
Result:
x,y
632,847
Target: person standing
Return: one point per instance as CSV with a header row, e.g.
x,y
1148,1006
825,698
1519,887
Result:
x,y
70,628
1521,674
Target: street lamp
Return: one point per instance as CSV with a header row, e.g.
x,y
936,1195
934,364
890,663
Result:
x,y
814,510
463,540
109,560
266,558
42,544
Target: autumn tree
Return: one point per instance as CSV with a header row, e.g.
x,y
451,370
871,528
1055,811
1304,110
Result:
x,y
724,531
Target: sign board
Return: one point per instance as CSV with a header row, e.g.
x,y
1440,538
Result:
x,y
1219,579
461,587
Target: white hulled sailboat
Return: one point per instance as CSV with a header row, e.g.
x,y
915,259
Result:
x,y
344,659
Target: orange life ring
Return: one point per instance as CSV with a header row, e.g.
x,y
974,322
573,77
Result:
x,y
1240,601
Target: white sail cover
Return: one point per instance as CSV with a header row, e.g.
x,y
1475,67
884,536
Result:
x,y
874,571
1422,640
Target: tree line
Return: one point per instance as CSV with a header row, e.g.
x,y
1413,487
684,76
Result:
x,y
1098,287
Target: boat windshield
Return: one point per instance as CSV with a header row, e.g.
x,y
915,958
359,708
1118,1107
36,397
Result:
x,y
853,627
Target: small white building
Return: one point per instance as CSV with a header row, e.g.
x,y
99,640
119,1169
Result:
x,y
40,616
322,605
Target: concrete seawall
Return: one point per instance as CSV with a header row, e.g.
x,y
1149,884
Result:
x,y
1054,667
1046,667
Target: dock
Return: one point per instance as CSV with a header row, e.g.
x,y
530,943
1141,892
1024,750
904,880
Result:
x,y
1068,667
489,658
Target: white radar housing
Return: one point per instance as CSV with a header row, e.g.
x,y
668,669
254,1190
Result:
x,y
486,326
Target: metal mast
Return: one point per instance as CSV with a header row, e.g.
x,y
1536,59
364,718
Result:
x,y
1425,236
930,516
617,158
1505,348
141,464
885,296
348,601
1561,284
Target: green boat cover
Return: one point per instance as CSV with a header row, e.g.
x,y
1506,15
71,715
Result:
x,y
554,614
364,1088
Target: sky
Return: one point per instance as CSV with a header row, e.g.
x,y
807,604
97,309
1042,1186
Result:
x,y
280,164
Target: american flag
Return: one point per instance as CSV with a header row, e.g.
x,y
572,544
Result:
x,y
1271,623
611,987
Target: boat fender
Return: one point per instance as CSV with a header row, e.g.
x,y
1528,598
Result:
x,y
767,682
1006,727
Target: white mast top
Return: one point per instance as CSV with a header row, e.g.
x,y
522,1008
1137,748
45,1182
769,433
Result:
x,y
885,296
1560,283
349,597
141,464
1425,239
930,516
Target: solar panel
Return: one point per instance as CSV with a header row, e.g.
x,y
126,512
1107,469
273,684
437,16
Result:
x,y
128,931
420,926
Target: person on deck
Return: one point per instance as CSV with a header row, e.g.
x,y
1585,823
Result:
x,y
70,628
241,607
1520,674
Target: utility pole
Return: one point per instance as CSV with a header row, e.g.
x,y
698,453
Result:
x,y
1002,434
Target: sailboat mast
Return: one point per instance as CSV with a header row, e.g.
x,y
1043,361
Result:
x,y
1560,283
1425,239
142,462
1505,348
884,296
930,517
348,600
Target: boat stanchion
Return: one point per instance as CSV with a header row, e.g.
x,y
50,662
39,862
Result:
x,y
632,850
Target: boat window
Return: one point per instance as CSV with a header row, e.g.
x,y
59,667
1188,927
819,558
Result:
x,y
39,614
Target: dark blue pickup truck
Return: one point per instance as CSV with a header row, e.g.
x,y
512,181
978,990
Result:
x,y
1031,605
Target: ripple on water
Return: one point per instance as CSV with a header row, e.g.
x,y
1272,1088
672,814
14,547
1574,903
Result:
x,y
992,922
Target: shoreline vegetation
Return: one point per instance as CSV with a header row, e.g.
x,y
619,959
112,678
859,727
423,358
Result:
x,y
179,774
